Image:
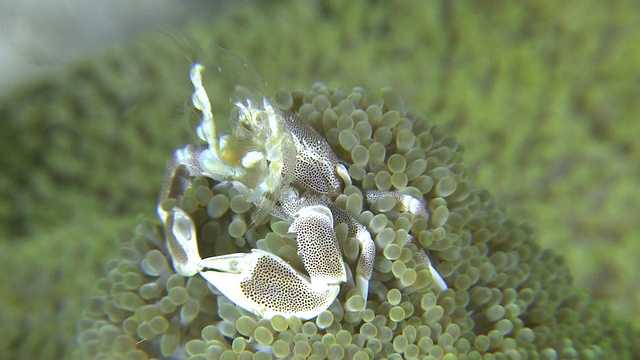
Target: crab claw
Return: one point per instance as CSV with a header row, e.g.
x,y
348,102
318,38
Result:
x,y
181,241
179,229
318,245
266,285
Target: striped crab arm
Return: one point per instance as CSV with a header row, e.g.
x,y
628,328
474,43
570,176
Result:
x,y
266,285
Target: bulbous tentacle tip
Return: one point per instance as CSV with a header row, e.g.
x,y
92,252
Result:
x,y
266,285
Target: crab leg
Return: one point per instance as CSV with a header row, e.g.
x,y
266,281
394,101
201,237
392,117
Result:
x,y
364,268
416,207
404,202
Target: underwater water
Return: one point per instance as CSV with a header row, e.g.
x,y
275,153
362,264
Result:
x,y
539,95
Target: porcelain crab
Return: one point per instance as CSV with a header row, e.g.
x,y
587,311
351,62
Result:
x,y
286,168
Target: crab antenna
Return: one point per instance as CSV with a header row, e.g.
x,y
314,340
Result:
x,y
207,129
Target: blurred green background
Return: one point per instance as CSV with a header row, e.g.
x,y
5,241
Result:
x,y
542,94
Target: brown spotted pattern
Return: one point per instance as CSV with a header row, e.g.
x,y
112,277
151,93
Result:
x,y
316,162
273,285
318,245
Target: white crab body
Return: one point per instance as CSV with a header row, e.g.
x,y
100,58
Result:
x,y
286,168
